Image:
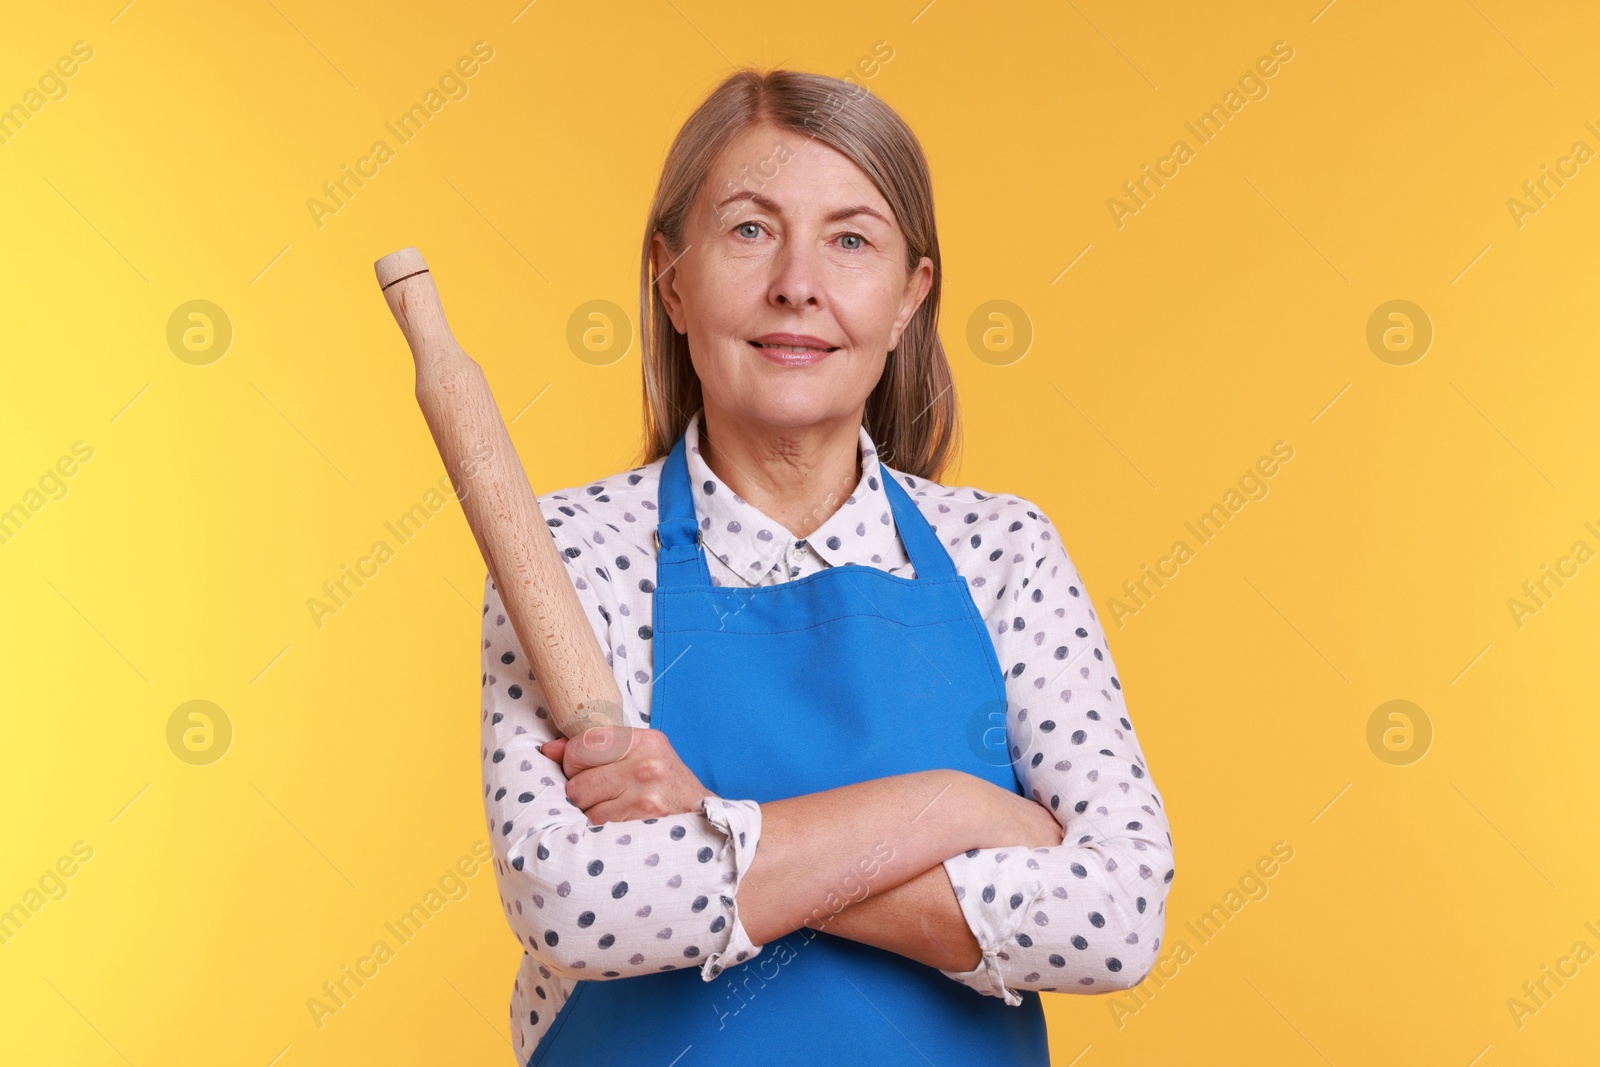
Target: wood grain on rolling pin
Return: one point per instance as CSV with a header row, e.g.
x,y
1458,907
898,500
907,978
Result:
x,y
501,509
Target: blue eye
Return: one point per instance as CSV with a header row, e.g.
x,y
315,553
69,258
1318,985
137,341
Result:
x,y
756,226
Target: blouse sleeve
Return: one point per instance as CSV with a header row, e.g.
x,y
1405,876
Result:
x,y
609,901
1085,916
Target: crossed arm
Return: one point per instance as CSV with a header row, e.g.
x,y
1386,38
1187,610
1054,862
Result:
x,y
907,905
930,865
920,919
999,892
863,861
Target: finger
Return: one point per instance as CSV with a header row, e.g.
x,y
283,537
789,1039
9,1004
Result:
x,y
596,747
553,748
595,785
610,811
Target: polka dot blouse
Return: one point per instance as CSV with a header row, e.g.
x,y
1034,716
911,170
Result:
x,y
636,897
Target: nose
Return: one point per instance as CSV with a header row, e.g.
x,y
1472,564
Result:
x,y
796,277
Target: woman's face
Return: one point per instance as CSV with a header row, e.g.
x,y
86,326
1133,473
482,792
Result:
x,y
789,237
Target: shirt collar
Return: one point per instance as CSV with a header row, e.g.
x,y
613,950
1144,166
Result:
x,y
752,544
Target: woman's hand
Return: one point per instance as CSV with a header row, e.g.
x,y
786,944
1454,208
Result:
x,y
622,772
1017,820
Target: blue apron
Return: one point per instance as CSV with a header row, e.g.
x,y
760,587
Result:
x,y
776,691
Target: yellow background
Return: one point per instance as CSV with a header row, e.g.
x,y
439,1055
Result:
x,y
1229,313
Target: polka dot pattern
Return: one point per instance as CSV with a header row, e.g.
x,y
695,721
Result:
x,y
645,895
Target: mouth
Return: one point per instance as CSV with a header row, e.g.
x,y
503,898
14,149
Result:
x,y
793,355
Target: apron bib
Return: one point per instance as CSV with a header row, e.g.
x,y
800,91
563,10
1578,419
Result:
x,y
839,677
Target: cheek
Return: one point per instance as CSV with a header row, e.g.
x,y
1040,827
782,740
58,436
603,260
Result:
x,y
870,304
727,323
723,298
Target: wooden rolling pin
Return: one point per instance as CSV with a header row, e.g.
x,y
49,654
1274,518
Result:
x,y
516,543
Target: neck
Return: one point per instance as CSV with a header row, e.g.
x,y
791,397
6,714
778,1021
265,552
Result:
x,y
798,477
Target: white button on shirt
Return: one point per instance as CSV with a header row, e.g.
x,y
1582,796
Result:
x,y
644,895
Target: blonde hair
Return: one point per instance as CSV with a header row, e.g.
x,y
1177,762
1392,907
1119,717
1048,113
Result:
x,y
912,415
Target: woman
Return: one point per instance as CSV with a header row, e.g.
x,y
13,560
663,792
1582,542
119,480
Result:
x,y
857,701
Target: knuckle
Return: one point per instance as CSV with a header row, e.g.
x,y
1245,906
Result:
x,y
602,739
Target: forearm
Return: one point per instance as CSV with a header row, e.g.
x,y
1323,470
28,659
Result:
x,y
925,919
855,842
920,919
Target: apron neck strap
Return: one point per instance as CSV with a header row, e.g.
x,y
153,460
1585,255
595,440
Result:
x,y
682,561
928,557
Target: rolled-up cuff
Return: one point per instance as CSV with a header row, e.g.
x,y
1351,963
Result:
x,y
740,822
993,925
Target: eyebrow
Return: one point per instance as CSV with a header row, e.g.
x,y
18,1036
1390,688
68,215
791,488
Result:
x,y
766,203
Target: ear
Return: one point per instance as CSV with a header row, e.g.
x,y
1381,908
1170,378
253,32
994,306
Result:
x,y
918,284
664,263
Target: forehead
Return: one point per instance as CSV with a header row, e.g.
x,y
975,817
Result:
x,y
799,173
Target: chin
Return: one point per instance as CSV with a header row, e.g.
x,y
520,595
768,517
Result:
x,y
797,407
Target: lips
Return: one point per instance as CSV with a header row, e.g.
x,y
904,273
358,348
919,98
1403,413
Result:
x,y
793,357
778,342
